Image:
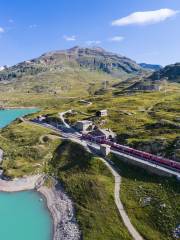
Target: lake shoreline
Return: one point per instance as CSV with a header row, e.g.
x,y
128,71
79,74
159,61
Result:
x,y
58,203
17,107
8,115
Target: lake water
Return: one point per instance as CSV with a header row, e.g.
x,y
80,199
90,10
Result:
x,y
24,216
7,116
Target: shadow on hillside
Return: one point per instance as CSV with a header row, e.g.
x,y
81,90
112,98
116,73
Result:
x,y
70,156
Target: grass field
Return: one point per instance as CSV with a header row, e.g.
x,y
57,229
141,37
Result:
x,y
147,121
27,149
155,219
67,83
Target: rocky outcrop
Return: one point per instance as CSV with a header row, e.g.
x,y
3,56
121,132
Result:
x,y
170,73
162,147
62,210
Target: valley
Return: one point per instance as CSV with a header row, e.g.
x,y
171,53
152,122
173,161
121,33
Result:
x,y
145,118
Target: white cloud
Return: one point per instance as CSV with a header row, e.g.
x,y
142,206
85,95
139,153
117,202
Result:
x,y
70,38
1,30
11,20
116,39
147,17
93,42
33,26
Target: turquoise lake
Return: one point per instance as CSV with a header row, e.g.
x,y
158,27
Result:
x,y
7,116
24,216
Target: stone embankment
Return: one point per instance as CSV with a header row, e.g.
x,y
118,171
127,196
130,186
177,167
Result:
x,y
62,210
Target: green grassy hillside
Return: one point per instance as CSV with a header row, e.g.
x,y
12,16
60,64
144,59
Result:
x,y
27,149
157,218
146,120
69,82
91,186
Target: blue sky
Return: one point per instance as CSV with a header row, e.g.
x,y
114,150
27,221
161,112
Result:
x,y
32,27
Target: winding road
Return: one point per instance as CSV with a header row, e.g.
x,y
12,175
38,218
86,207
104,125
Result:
x,y
124,216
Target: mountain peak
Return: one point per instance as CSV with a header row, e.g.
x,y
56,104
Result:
x,y
79,48
93,59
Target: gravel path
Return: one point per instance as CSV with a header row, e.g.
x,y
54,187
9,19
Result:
x,y
134,233
124,216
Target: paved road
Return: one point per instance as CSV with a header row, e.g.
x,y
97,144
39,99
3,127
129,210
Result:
x,y
61,115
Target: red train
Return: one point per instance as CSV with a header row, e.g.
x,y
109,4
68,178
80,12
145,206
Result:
x,y
133,152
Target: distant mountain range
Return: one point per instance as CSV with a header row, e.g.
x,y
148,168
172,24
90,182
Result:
x,y
170,73
154,81
153,67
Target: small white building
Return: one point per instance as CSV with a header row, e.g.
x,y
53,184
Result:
x,y
102,113
105,149
84,125
104,133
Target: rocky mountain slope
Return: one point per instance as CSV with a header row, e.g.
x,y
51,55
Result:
x,y
84,69
156,80
170,72
68,72
90,58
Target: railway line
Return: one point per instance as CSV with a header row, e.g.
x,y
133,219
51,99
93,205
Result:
x,y
151,158
164,164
